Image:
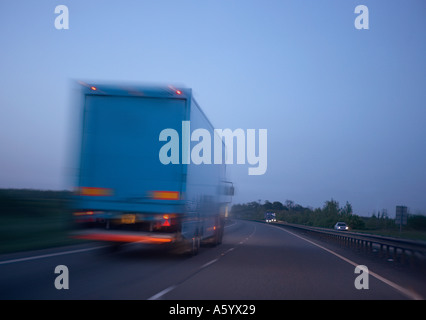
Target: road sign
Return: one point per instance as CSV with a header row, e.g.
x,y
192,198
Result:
x,y
401,215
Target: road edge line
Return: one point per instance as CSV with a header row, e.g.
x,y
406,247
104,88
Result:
x,y
408,293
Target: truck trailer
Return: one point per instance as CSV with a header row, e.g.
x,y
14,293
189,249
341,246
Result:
x,y
125,192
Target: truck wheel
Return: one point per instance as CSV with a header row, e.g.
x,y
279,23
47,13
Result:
x,y
219,233
220,236
195,246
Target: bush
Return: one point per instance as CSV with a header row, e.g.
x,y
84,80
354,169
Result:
x,y
417,222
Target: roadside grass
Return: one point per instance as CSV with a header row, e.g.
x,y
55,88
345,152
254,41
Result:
x,y
20,234
395,233
33,219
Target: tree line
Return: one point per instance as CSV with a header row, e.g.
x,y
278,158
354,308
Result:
x,y
326,216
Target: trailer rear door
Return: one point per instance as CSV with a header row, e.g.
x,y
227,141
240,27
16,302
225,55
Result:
x,y
120,145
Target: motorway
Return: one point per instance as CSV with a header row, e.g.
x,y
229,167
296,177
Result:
x,y
256,261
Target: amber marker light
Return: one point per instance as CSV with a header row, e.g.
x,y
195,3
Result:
x,y
165,195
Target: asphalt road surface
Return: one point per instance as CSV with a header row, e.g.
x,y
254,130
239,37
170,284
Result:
x,y
256,261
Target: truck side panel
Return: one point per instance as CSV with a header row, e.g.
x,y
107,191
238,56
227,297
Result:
x,y
204,181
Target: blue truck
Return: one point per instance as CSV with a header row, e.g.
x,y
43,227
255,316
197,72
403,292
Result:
x,y
125,192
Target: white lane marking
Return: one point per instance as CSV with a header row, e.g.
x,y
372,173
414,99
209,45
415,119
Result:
x,y
49,255
227,251
230,225
160,294
408,293
208,263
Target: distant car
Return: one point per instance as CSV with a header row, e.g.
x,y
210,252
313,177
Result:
x,y
341,226
270,217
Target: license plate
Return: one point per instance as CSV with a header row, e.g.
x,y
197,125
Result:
x,y
128,218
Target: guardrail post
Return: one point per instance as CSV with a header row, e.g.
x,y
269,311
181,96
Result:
x,y
403,256
369,247
372,244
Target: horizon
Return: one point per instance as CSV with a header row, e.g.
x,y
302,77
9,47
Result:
x,y
369,215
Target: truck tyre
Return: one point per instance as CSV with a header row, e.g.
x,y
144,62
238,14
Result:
x,y
219,232
195,248
220,236
192,247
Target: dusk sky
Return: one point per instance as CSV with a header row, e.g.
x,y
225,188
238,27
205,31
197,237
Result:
x,y
344,109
